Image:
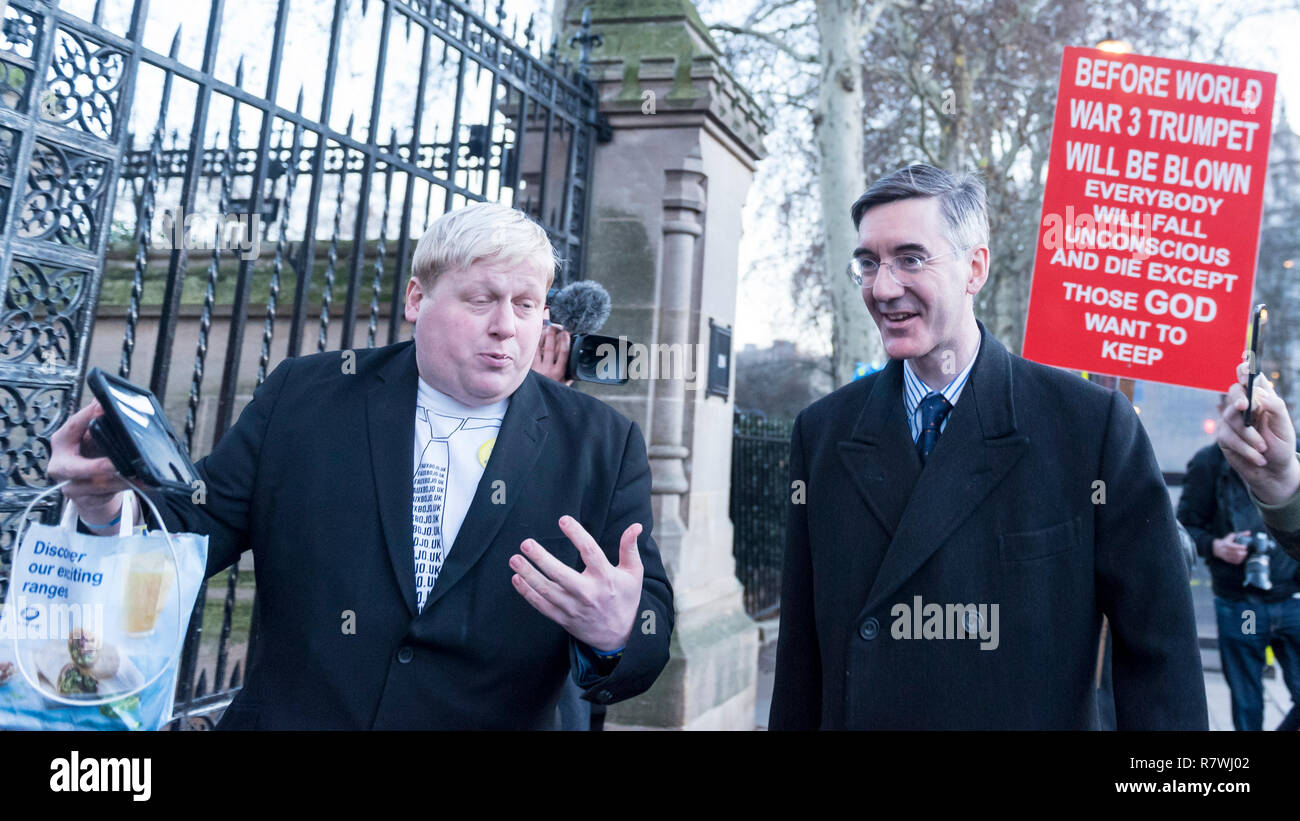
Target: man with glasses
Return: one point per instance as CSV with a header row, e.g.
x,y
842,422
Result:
x,y
968,517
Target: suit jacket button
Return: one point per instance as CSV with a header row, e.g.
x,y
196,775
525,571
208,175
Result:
x,y
869,629
405,655
604,696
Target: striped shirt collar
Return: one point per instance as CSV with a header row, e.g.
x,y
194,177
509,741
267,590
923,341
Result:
x,y
914,390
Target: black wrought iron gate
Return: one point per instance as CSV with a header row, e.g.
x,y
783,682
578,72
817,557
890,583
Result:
x,y
145,189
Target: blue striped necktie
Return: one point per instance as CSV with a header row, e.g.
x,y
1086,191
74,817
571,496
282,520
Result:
x,y
934,409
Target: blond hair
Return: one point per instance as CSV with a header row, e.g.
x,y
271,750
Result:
x,y
479,231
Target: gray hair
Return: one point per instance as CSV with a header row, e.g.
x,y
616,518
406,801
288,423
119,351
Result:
x,y
961,200
482,230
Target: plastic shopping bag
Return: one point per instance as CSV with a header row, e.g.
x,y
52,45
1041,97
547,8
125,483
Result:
x,y
92,626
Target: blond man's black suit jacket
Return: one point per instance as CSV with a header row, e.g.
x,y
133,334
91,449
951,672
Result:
x,y
316,479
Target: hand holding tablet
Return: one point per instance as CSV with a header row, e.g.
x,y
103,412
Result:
x,y
135,435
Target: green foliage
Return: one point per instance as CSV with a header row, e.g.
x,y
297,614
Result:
x,y
213,612
119,269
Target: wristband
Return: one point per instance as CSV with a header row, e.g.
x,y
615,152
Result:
x,y
610,655
106,524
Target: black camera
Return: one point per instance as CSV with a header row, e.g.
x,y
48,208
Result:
x,y
581,308
1259,547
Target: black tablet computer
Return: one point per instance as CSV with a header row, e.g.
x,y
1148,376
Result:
x,y
135,435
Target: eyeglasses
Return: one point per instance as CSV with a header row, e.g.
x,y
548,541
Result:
x,y
903,269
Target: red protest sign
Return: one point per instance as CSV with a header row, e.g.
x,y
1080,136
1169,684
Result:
x,y
1150,227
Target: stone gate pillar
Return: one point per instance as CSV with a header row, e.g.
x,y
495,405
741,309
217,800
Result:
x,y
663,236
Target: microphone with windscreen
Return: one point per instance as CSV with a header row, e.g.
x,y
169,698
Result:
x,y
581,308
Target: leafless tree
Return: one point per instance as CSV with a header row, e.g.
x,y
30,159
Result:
x,y
962,84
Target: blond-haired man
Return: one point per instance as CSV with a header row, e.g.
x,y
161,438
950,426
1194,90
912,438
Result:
x,y
440,535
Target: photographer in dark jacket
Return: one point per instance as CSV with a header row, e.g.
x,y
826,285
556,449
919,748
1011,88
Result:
x,y
1217,511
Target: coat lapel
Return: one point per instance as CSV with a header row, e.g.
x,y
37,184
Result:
x,y
515,454
977,449
390,424
881,457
